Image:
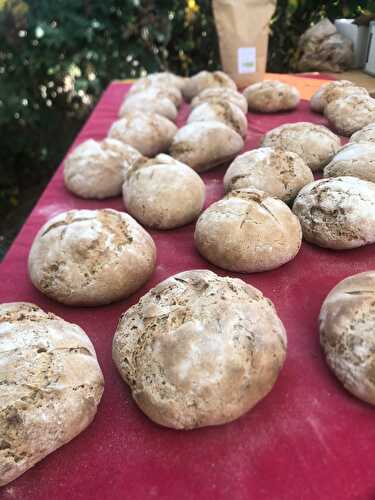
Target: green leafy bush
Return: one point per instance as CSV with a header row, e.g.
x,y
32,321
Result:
x,y
56,57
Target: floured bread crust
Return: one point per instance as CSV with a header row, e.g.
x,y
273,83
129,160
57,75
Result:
x,y
355,159
153,100
347,325
315,144
148,133
365,134
328,92
221,94
248,231
50,385
205,79
204,145
279,173
199,349
149,85
95,170
163,193
337,213
351,113
270,96
222,111
91,257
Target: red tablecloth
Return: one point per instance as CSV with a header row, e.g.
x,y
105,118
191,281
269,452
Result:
x,y
309,439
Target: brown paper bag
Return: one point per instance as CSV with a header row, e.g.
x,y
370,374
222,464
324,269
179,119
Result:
x,y
243,27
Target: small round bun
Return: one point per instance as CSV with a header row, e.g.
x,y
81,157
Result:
x,y
148,133
365,134
337,213
248,231
153,100
164,78
329,92
355,159
91,257
96,169
224,112
279,173
204,145
163,193
347,334
147,85
315,144
270,96
220,94
351,113
199,349
204,80
50,386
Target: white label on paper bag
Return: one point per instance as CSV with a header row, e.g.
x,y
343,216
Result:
x,y
246,60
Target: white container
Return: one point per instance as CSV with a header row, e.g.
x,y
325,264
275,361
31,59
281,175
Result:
x,y
370,62
358,35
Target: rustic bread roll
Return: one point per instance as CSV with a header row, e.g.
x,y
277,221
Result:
x,y
91,257
204,145
95,169
328,92
153,100
145,84
164,79
220,94
221,111
270,96
315,144
248,231
337,213
203,80
355,159
365,134
149,133
347,334
50,386
163,193
279,173
199,349
350,113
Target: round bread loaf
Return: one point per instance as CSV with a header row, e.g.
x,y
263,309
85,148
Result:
x,y
204,145
91,257
347,334
270,96
50,385
153,100
220,94
199,349
350,113
315,144
355,159
365,134
279,173
96,169
221,111
145,85
328,92
205,79
149,133
337,213
248,231
163,193
164,79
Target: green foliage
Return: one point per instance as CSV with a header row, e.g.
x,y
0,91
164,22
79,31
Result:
x,y
57,56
